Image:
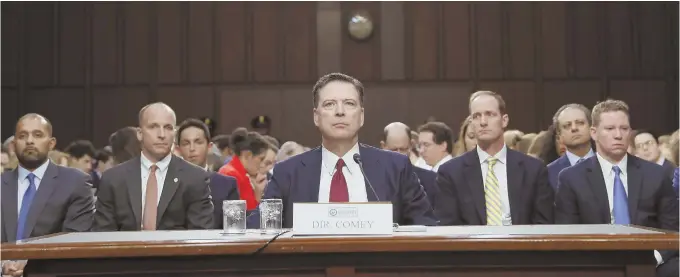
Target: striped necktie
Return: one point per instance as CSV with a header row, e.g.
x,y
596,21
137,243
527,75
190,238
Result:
x,y
492,194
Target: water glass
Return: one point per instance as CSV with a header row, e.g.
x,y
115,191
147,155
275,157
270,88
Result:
x,y
271,215
234,216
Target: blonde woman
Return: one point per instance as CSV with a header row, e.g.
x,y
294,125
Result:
x,y
466,139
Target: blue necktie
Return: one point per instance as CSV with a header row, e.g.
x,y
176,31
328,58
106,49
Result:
x,y
675,181
26,205
621,215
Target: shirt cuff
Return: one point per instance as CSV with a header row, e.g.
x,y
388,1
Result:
x,y
659,259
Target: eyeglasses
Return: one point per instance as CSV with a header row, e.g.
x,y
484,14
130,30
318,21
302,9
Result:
x,y
645,144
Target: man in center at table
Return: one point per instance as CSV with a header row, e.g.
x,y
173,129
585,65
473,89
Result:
x,y
329,173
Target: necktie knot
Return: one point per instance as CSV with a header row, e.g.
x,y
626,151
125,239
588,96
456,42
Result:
x,y
31,179
340,164
580,160
153,168
616,169
492,161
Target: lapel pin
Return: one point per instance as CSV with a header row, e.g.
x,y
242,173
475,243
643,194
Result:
x,y
175,180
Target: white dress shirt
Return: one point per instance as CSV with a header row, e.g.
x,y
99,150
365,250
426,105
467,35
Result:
x,y
609,175
500,169
24,183
161,172
573,158
446,158
660,160
420,162
355,180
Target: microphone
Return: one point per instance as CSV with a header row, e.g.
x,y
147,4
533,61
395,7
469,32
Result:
x,y
357,159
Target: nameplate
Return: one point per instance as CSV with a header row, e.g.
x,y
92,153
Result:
x,y
374,218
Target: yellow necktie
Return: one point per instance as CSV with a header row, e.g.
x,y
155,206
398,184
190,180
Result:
x,y
492,194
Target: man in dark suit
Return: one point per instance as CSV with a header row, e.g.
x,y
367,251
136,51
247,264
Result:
x,y
647,148
156,190
608,188
194,145
330,174
397,138
572,124
493,185
38,197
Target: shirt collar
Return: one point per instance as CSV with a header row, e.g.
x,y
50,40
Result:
x,y
661,160
607,166
442,161
162,164
501,155
573,158
38,172
330,159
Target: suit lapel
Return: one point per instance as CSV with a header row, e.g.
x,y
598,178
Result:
x,y
515,172
634,187
10,213
597,185
170,186
45,190
134,188
475,182
371,167
311,175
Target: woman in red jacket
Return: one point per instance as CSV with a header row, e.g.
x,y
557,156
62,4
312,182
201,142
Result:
x,y
249,148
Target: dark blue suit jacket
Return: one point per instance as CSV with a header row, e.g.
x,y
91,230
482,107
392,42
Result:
x,y
222,188
555,168
428,181
297,179
461,199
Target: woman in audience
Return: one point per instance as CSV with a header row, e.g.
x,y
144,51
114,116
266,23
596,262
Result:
x,y
466,139
546,146
249,149
525,142
512,138
124,144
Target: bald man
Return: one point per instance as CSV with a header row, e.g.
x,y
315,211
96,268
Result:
x,y
156,190
397,138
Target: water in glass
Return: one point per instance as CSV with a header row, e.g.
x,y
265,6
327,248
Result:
x,y
270,215
234,216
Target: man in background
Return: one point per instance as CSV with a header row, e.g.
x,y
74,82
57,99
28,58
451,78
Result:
x,y
572,124
81,155
435,141
647,148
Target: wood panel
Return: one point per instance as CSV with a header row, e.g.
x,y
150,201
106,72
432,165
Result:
x,y
646,102
40,43
11,20
170,41
188,102
521,42
137,42
518,96
241,104
619,38
456,46
64,108
115,108
553,39
586,39
200,40
72,43
266,41
446,103
231,31
376,117
558,93
361,59
299,58
297,121
489,37
651,23
10,110
424,34
105,60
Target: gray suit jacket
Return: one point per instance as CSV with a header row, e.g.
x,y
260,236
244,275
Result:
x,y
185,200
63,203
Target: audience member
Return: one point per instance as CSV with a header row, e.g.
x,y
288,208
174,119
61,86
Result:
x,y
512,138
80,155
572,125
647,148
130,195
124,144
466,139
435,140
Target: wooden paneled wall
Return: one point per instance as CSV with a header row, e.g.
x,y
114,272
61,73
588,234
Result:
x,y
89,67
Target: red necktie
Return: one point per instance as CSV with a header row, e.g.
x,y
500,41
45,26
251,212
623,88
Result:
x,y
339,191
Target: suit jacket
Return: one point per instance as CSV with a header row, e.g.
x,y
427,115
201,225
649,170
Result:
x,y
185,200
222,188
297,179
63,203
669,168
428,181
582,195
461,199
555,168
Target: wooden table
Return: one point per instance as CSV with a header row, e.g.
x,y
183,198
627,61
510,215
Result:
x,y
508,251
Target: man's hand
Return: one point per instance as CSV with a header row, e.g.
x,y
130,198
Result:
x,y
259,183
13,268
